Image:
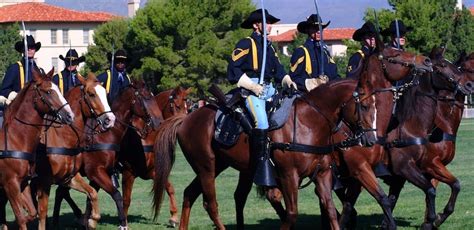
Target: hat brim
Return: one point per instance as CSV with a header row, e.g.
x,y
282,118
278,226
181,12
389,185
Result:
x,y
304,26
388,32
20,46
74,62
360,33
248,23
109,57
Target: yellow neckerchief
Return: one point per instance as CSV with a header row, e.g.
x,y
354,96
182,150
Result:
x,y
308,67
109,77
61,83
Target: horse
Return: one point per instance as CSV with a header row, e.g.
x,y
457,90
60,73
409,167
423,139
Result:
x,y
137,155
99,155
208,159
430,160
19,137
60,158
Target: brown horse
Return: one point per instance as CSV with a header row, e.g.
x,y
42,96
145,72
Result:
x,y
99,156
19,137
60,159
208,159
430,160
137,155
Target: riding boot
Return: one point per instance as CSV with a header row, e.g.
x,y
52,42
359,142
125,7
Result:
x,y
259,147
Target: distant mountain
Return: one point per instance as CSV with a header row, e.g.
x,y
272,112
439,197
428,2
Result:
x,y
118,7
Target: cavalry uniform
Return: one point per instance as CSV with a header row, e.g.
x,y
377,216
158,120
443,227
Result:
x,y
114,79
15,77
67,79
245,69
366,32
306,64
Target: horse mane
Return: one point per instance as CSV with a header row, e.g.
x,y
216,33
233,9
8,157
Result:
x,y
411,103
15,105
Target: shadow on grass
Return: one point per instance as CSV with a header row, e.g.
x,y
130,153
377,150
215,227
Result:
x,y
311,221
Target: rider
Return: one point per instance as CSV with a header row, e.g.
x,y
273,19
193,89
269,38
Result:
x,y
15,77
305,69
115,78
392,32
67,79
366,36
244,69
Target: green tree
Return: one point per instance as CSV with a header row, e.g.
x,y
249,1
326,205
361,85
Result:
x,y
435,23
186,42
9,35
107,37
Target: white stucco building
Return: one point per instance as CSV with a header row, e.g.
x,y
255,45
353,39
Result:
x,y
57,28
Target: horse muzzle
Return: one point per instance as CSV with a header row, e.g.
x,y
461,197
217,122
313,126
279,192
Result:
x,y
106,120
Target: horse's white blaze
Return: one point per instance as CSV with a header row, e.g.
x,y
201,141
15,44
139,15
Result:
x,y
374,123
67,108
100,90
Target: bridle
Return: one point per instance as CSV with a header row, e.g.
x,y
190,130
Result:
x,y
94,114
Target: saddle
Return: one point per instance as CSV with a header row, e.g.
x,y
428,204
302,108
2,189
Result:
x,y
232,117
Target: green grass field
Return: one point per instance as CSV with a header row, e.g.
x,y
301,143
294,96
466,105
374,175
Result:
x,y
259,214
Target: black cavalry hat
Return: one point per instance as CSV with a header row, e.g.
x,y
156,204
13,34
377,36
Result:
x,y
311,24
30,41
392,29
257,16
72,58
367,29
119,55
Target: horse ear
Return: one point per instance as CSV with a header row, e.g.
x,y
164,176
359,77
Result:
x,y
379,45
461,59
437,52
81,78
189,90
50,74
37,76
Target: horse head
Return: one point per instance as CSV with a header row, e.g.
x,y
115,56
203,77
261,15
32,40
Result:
x,y
398,64
466,65
174,101
94,101
142,104
48,99
447,75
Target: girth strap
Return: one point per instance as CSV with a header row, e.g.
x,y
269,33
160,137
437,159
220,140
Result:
x,y
17,155
63,151
449,137
407,142
98,147
303,148
148,148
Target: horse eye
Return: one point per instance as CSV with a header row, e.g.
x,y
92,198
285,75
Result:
x,y
91,95
49,91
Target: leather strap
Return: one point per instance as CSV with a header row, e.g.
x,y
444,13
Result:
x,y
99,147
148,148
303,148
63,151
17,155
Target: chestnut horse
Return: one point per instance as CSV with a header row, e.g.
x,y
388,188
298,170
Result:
x,y
19,137
430,160
209,159
137,156
60,159
99,156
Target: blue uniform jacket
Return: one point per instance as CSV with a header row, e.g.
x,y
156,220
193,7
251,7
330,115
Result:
x,y
11,81
67,80
298,64
356,59
116,85
242,61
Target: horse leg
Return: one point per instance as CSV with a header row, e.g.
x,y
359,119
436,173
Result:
x,y
396,184
79,184
29,203
3,213
208,186
101,178
240,197
348,196
324,192
413,174
365,175
289,189
127,185
12,189
173,220
191,193
274,196
43,191
62,192
441,173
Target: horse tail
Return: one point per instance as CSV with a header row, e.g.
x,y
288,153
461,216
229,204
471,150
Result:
x,y
261,191
164,148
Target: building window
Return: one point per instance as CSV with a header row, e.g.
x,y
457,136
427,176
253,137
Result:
x,y
85,36
33,32
65,36
54,35
54,63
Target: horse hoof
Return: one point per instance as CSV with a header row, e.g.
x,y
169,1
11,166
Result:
x,y
92,224
123,228
173,223
427,226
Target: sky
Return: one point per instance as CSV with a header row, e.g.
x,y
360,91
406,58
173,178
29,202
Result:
x,y
341,13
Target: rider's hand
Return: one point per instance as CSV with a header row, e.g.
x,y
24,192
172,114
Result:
x,y
246,83
287,82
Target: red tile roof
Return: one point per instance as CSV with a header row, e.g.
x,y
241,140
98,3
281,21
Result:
x,y
329,35
472,10
41,12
